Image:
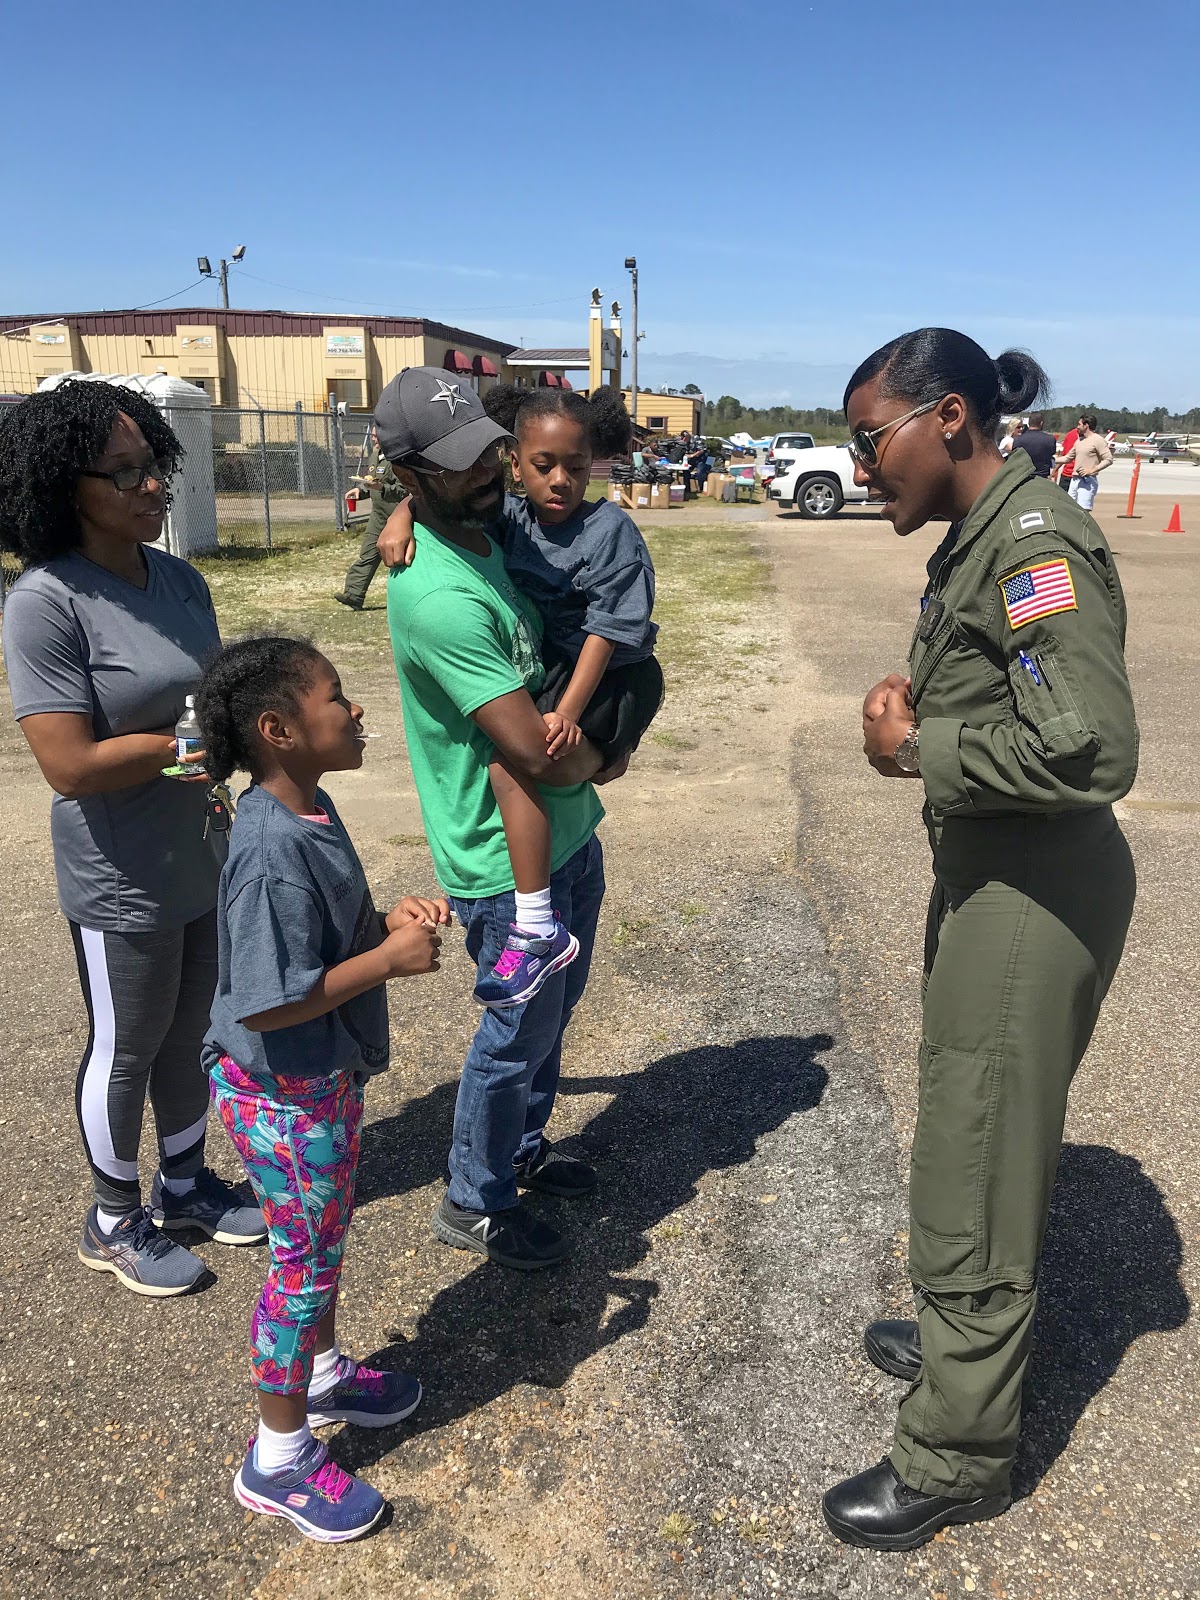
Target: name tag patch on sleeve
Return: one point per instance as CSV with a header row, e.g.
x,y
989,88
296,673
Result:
x,y
1038,591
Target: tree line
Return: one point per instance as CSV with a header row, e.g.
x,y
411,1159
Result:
x,y
728,415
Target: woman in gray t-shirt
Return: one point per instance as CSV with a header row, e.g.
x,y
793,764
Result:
x,y
104,636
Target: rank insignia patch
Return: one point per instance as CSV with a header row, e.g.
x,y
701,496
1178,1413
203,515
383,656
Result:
x,y
1038,591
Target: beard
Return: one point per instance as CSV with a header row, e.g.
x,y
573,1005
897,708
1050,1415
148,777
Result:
x,y
474,509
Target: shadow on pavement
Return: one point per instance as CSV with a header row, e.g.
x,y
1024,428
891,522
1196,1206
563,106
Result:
x,y
1110,1273
683,1116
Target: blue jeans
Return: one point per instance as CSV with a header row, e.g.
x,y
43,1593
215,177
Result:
x,y
510,1077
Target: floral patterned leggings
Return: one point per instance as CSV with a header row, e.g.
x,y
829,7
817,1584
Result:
x,y
298,1140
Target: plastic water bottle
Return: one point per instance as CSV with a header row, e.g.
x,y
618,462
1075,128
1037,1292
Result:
x,y
188,737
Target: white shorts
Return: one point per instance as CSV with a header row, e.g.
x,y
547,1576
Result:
x,y
1083,489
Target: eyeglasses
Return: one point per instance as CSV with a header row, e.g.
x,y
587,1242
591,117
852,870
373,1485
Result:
x,y
862,442
127,478
491,457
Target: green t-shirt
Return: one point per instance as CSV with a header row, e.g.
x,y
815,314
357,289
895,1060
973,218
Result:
x,y
463,634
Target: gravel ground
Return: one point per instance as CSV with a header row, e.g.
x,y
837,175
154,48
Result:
x,y
658,1417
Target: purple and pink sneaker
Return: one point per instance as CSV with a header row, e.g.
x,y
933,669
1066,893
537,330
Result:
x,y
324,1502
524,965
363,1396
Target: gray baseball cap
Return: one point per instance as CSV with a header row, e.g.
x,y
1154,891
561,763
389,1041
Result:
x,y
432,413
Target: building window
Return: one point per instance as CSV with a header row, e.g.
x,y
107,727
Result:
x,y
657,424
348,392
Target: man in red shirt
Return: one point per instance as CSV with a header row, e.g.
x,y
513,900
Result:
x,y
1064,449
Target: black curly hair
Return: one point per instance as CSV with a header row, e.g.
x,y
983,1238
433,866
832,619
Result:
x,y
603,417
44,443
264,673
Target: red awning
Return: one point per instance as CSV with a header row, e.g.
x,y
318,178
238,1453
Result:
x,y
456,362
483,368
564,382
548,380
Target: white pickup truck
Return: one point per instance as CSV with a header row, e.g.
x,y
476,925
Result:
x,y
817,482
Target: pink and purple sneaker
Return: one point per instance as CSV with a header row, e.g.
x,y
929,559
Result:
x,y
524,965
365,1397
324,1502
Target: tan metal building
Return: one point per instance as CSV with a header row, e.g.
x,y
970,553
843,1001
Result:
x,y
668,414
268,359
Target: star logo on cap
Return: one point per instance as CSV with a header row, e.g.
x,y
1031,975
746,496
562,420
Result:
x,y
449,393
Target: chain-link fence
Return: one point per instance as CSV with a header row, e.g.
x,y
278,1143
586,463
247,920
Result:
x,y
281,477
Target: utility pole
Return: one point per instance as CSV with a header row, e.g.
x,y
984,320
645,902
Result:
x,y
631,267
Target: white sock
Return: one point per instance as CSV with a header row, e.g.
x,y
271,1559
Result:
x,y
325,1372
108,1221
177,1185
279,1452
535,913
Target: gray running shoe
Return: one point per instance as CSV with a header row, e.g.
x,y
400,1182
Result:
x,y
223,1212
514,1238
140,1256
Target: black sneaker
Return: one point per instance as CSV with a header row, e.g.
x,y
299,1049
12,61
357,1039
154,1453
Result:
x,y
551,1173
513,1238
345,600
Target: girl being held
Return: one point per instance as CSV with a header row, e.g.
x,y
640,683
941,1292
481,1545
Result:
x,y
298,1023
586,566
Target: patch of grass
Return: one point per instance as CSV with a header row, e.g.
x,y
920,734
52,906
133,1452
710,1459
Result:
x,y
691,909
707,577
406,839
628,929
291,591
672,741
677,1527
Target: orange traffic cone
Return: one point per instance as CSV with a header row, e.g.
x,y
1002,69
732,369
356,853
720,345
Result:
x,y
1174,525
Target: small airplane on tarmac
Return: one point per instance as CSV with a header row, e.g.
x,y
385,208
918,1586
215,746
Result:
x,y
1160,447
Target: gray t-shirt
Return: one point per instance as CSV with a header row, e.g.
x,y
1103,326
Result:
x,y
294,900
79,639
590,575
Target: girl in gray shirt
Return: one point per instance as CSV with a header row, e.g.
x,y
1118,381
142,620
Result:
x,y
104,635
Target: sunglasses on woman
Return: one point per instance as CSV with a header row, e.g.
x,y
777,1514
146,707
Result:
x,y
862,442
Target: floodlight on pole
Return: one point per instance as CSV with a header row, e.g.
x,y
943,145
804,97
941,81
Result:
x,y
206,271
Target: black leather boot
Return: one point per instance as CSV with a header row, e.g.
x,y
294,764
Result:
x,y
895,1347
878,1510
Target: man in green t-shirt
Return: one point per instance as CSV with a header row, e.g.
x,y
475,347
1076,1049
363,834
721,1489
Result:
x,y
466,643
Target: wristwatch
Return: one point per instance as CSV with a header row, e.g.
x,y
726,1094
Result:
x,y
908,754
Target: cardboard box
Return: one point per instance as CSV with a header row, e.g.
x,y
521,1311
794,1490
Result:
x,y
640,497
621,494
660,497
716,482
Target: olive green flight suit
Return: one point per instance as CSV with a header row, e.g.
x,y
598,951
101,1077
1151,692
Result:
x,y
386,494
1027,736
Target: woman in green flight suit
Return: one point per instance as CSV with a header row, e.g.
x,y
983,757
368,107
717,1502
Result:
x,y
1017,717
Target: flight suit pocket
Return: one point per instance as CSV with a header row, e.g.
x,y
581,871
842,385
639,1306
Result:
x,y
947,1160
1050,701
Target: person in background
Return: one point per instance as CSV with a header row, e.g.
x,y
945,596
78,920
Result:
x,y
1014,430
1067,471
697,459
386,494
1038,444
104,637
1090,455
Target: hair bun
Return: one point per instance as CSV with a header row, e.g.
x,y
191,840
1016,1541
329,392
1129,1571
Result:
x,y
1020,380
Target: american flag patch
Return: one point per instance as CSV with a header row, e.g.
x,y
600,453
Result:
x,y
1038,592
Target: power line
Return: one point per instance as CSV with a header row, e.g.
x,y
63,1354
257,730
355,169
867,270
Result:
x,y
388,306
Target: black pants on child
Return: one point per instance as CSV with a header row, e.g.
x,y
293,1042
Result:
x,y
624,705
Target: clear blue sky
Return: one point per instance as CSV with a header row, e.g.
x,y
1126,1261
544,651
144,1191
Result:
x,y
798,181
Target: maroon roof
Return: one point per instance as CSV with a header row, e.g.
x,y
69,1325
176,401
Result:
x,y
245,323
554,358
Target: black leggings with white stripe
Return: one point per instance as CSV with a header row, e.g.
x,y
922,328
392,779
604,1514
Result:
x,y
148,997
